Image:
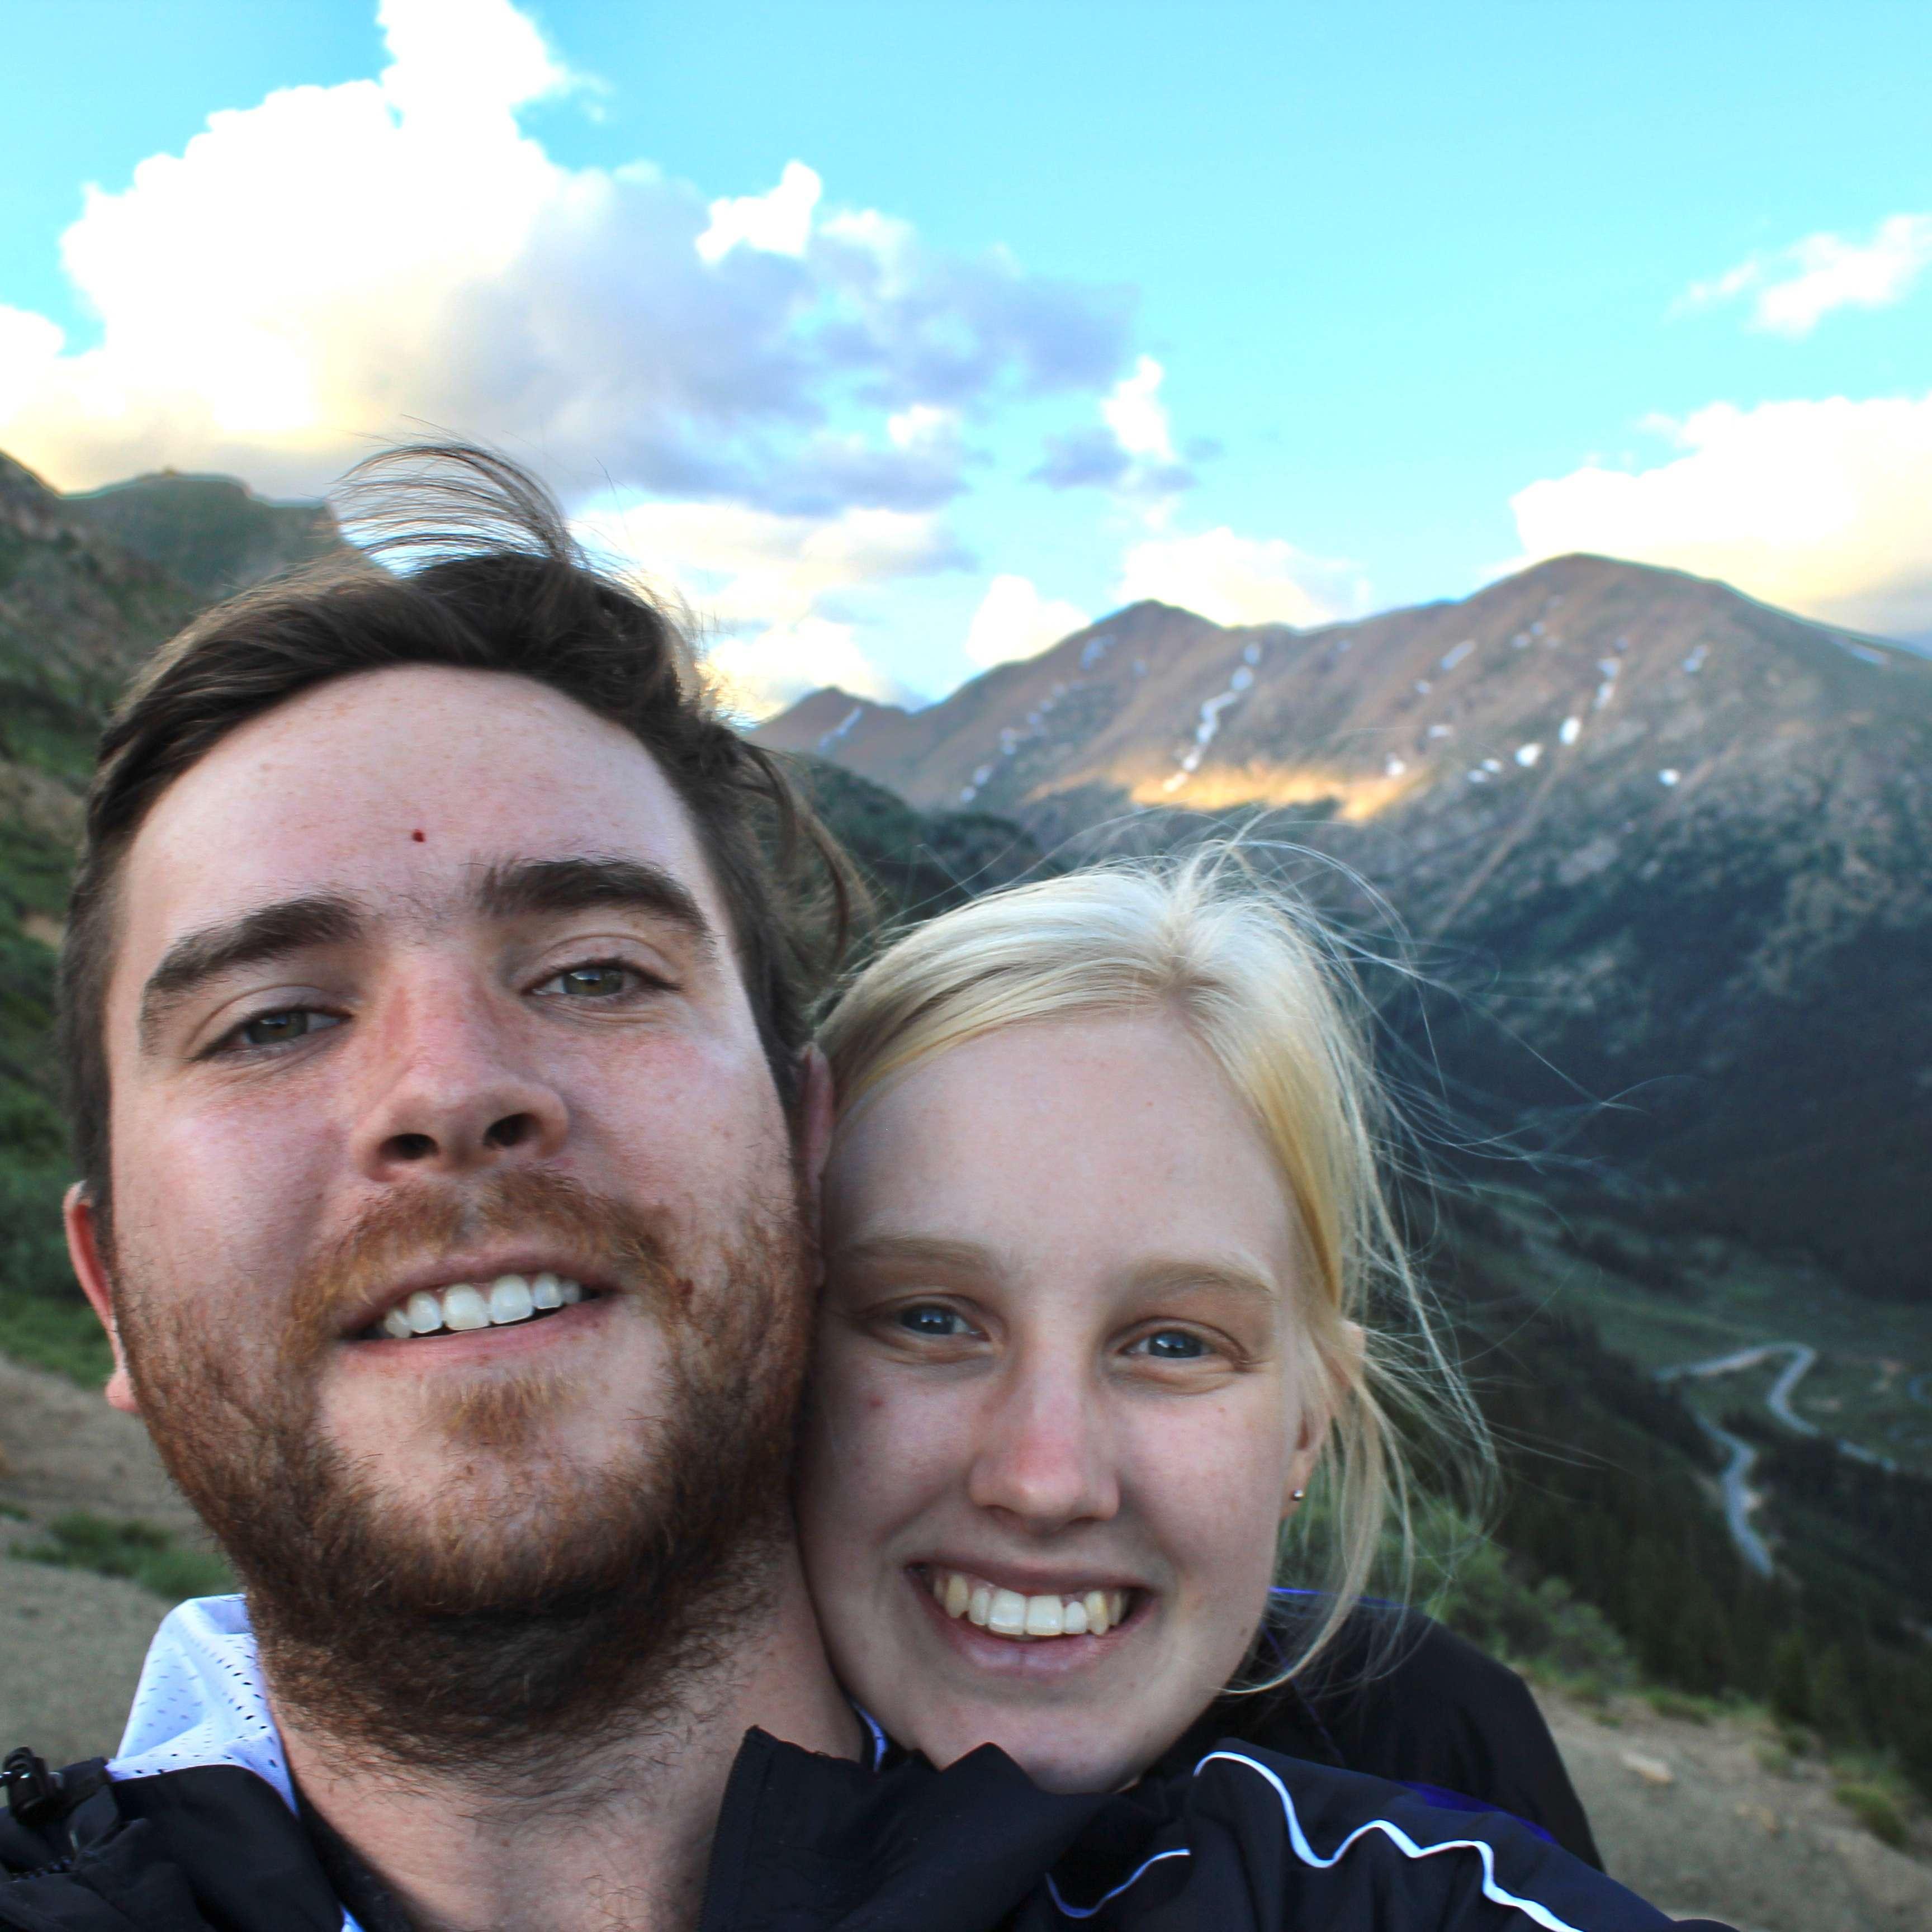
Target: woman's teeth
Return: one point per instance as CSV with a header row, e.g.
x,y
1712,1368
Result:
x,y
1008,1614
468,1304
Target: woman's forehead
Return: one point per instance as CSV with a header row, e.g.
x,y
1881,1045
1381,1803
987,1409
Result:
x,y
1118,1135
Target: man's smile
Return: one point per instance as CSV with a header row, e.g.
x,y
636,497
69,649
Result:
x,y
467,1305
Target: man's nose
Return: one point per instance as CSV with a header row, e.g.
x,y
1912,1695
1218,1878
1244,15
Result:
x,y
453,1089
1045,1457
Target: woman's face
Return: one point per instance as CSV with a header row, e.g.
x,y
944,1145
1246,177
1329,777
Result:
x,y
1059,1387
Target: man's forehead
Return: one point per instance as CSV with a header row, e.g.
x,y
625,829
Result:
x,y
398,790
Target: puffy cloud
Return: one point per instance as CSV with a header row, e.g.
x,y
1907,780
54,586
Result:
x,y
1136,415
779,222
337,264
1015,621
1132,452
29,344
1819,506
1791,289
762,674
773,593
1238,580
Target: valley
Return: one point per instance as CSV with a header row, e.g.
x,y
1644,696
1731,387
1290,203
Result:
x,y
1867,1370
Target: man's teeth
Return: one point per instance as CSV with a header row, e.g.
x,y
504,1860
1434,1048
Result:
x,y
471,1304
1007,1613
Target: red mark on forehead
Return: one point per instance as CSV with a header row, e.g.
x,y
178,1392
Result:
x,y
417,836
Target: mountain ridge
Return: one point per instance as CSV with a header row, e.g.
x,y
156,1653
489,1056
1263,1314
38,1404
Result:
x,y
1684,837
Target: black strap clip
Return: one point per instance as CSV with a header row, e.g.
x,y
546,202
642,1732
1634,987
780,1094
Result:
x,y
33,1792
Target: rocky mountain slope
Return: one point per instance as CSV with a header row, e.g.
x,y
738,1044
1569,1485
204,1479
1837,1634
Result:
x,y
1676,842
88,584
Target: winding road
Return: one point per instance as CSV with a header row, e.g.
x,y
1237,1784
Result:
x,y
1740,1498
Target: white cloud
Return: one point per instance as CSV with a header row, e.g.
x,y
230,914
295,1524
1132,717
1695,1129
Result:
x,y
1792,289
1015,621
29,344
1819,506
779,222
1238,580
1135,414
1132,454
761,675
338,264
770,591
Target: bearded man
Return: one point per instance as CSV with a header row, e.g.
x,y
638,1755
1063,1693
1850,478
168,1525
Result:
x,y
448,1132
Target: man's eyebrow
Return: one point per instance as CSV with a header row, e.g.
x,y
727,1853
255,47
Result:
x,y
528,886
270,932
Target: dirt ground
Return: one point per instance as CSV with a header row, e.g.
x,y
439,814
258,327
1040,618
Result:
x,y
71,1642
1712,1821
1704,1819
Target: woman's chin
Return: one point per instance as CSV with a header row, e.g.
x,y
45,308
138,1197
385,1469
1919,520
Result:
x,y
1046,1760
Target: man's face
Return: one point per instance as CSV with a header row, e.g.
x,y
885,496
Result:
x,y
422,981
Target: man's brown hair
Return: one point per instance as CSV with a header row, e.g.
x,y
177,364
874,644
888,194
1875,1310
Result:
x,y
498,583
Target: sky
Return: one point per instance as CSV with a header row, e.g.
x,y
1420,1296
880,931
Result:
x,y
898,339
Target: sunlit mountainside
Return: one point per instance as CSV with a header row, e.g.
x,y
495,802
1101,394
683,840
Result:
x,y
1676,841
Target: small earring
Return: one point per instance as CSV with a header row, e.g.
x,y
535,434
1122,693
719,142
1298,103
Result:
x,y
1297,1495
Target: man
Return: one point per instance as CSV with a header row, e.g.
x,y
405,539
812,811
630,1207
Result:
x,y
448,1135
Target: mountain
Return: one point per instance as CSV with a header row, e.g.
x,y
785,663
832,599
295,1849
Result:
x,y
89,584
1676,844
211,533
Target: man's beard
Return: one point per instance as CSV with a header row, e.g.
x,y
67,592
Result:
x,y
456,1639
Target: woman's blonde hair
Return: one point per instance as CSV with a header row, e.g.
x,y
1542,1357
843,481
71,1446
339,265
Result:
x,y
1266,988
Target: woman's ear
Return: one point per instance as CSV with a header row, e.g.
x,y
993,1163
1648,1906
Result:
x,y
1341,1376
83,1248
816,1106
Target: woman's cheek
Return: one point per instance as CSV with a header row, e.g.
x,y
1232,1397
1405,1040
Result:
x,y
1209,1486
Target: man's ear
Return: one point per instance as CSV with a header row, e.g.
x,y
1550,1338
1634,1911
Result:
x,y
83,1249
1339,1377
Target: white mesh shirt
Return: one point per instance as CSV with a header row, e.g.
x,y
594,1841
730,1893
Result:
x,y
202,1700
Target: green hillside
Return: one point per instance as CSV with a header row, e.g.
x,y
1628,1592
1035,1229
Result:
x,y
88,585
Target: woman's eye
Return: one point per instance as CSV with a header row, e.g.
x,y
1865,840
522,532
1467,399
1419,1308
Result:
x,y
930,1321
1173,1344
285,1024
604,982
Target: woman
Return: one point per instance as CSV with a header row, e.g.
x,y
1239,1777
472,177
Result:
x,y
1112,1288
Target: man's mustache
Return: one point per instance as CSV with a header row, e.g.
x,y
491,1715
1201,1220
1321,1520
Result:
x,y
404,1229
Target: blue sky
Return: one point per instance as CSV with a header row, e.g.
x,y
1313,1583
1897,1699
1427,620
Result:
x,y
1281,311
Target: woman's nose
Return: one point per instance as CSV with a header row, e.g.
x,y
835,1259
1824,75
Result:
x,y
1044,1457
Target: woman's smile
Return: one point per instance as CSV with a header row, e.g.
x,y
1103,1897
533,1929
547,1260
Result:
x,y
1075,1610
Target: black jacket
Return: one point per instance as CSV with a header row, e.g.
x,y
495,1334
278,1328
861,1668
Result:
x,y
1399,1697
1247,1840
816,1844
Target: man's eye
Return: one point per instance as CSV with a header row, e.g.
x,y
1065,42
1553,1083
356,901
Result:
x,y
1172,1345
604,982
930,1321
284,1024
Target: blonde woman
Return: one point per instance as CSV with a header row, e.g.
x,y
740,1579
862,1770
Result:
x,y
1113,1289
